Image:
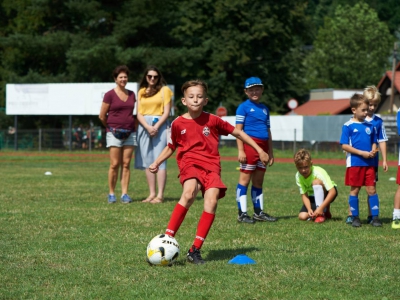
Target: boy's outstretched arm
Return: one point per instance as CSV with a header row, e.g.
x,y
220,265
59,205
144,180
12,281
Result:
x,y
248,140
164,155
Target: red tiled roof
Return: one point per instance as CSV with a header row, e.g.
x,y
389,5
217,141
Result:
x,y
322,107
389,76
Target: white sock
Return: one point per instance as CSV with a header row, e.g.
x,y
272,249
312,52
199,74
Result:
x,y
242,201
318,195
396,213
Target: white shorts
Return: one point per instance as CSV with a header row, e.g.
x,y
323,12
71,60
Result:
x,y
112,141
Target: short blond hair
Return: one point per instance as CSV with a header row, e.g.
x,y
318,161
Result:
x,y
372,94
302,155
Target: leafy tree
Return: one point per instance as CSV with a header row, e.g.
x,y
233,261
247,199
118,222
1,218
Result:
x,y
388,11
227,41
351,49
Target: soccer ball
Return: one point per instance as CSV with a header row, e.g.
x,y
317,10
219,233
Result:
x,y
163,250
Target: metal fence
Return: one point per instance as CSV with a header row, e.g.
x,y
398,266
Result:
x,y
94,139
53,139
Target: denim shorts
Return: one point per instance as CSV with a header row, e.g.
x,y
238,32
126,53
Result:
x,y
112,141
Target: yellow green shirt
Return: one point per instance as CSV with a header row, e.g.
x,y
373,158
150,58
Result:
x,y
154,106
305,184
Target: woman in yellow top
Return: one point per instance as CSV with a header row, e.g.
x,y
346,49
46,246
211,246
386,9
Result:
x,y
154,105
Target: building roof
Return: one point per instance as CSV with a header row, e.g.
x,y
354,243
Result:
x,y
322,107
388,75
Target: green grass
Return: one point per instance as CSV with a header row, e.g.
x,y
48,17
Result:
x,y
61,240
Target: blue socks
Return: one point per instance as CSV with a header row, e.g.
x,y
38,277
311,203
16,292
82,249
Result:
x,y
353,202
241,198
257,198
374,205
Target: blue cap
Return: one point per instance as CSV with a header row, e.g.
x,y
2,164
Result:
x,y
252,81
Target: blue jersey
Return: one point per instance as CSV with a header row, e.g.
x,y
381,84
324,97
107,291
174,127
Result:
x,y
381,136
255,119
360,136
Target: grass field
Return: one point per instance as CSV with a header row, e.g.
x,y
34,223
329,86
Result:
x,y
61,240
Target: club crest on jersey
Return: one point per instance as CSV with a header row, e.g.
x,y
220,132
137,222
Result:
x,y
206,131
368,130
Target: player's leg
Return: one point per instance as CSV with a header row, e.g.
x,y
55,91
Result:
x,y
369,218
190,189
213,189
396,204
241,196
303,214
373,199
396,209
354,205
374,205
257,195
207,217
319,196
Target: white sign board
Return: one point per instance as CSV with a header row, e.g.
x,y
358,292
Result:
x,y
60,98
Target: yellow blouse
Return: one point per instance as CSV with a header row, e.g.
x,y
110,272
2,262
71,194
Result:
x,y
154,106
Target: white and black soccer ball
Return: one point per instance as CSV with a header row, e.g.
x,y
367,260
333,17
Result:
x,y
163,250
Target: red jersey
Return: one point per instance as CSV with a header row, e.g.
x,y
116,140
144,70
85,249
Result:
x,y
197,140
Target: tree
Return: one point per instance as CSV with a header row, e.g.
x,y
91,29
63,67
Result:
x,y
227,41
351,49
220,41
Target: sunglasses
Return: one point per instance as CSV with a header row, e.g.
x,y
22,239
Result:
x,y
152,77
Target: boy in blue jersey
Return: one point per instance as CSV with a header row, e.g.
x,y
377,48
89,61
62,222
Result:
x,y
317,190
253,118
374,97
359,141
396,204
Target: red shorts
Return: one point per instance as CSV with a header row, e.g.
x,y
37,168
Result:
x,y
207,179
398,175
360,176
253,161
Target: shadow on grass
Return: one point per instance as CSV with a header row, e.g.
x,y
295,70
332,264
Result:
x,y
286,217
227,254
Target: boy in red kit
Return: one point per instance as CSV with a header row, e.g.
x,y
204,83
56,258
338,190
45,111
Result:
x,y
196,135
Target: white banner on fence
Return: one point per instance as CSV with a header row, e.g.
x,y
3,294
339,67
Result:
x,y
60,98
283,128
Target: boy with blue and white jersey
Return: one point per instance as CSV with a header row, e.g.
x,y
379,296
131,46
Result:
x,y
374,97
396,204
359,141
253,118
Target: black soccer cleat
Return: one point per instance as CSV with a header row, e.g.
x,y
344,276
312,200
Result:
x,y
356,222
244,218
376,222
263,217
194,256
